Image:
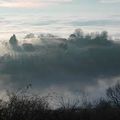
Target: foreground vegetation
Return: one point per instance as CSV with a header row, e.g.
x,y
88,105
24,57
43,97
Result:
x,y
25,107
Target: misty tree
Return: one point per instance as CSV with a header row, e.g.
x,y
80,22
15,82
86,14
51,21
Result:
x,y
79,33
14,44
13,40
104,35
72,37
100,38
88,37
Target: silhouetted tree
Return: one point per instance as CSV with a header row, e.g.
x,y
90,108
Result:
x,y
113,93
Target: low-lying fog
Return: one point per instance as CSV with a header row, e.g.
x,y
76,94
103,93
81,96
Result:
x,y
82,63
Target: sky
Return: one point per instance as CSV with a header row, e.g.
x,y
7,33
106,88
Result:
x,y
59,17
91,68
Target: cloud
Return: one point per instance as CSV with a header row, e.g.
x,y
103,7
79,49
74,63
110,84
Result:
x,y
31,3
100,22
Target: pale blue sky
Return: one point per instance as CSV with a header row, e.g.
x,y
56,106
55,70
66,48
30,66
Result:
x,y
59,6
40,15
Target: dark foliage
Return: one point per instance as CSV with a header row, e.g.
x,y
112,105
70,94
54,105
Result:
x,y
25,107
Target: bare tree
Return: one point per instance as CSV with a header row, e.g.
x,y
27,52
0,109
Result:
x,y
113,93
